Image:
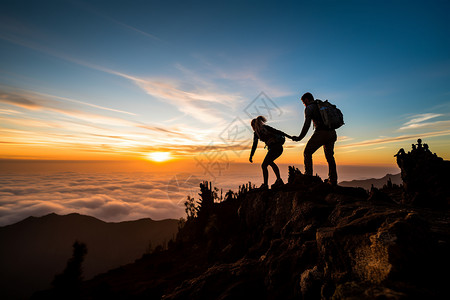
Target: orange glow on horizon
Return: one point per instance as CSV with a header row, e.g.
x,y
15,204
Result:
x,y
165,158
159,156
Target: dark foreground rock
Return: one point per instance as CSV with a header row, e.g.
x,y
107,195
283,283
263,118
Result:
x,y
304,244
306,240
425,176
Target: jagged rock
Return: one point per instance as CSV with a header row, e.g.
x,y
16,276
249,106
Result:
x,y
377,196
306,240
311,282
355,291
296,178
354,240
425,176
239,280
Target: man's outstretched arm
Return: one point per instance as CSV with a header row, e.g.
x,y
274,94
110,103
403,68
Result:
x,y
305,128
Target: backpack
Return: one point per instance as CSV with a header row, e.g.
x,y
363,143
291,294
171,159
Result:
x,y
332,116
277,139
272,138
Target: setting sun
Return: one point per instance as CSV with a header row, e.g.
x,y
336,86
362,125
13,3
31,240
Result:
x,y
159,156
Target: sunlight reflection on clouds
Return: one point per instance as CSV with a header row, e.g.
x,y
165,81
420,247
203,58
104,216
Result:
x,y
110,197
123,196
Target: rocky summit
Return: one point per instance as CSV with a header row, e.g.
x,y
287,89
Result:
x,y
304,240
425,176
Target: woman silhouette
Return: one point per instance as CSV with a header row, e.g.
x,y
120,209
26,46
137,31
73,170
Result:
x,y
274,140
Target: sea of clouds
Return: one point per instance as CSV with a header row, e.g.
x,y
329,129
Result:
x,y
110,197
123,196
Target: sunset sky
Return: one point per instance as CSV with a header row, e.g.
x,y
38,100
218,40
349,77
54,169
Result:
x,y
179,81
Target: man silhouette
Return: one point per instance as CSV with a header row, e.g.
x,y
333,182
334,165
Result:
x,y
323,136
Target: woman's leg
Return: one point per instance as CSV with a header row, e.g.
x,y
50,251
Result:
x,y
264,169
273,153
276,170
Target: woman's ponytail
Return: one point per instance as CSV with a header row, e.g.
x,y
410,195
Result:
x,y
258,125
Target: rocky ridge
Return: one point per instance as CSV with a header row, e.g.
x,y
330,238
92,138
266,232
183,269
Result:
x,y
305,240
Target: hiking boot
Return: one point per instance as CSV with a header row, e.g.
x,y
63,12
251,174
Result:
x,y
263,187
278,183
331,182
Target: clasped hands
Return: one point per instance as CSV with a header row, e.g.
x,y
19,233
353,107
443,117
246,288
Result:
x,y
294,138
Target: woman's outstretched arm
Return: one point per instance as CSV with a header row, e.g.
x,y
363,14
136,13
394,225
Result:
x,y
255,144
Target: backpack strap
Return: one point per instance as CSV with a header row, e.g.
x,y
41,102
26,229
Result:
x,y
317,116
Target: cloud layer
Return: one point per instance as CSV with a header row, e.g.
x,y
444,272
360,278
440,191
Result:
x,y
121,196
110,197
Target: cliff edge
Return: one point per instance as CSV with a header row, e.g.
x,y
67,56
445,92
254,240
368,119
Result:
x,y
305,240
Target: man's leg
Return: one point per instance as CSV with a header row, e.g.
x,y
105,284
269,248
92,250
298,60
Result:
x,y
314,143
328,149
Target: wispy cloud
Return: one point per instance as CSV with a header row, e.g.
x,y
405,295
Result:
x,y
152,36
201,105
85,103
195,96
90,9
34,101
10,112
422,117
245,76
417,121
438,125
344,138
19,101
59,124
386,140
204,103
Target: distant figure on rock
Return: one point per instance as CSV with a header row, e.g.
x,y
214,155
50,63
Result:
x,y
274,140
323,136
419,144
400,152
400,155
425,177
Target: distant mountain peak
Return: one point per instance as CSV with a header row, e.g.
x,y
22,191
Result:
x,y
375,182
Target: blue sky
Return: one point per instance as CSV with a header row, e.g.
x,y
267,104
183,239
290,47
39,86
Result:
x,y
123,78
